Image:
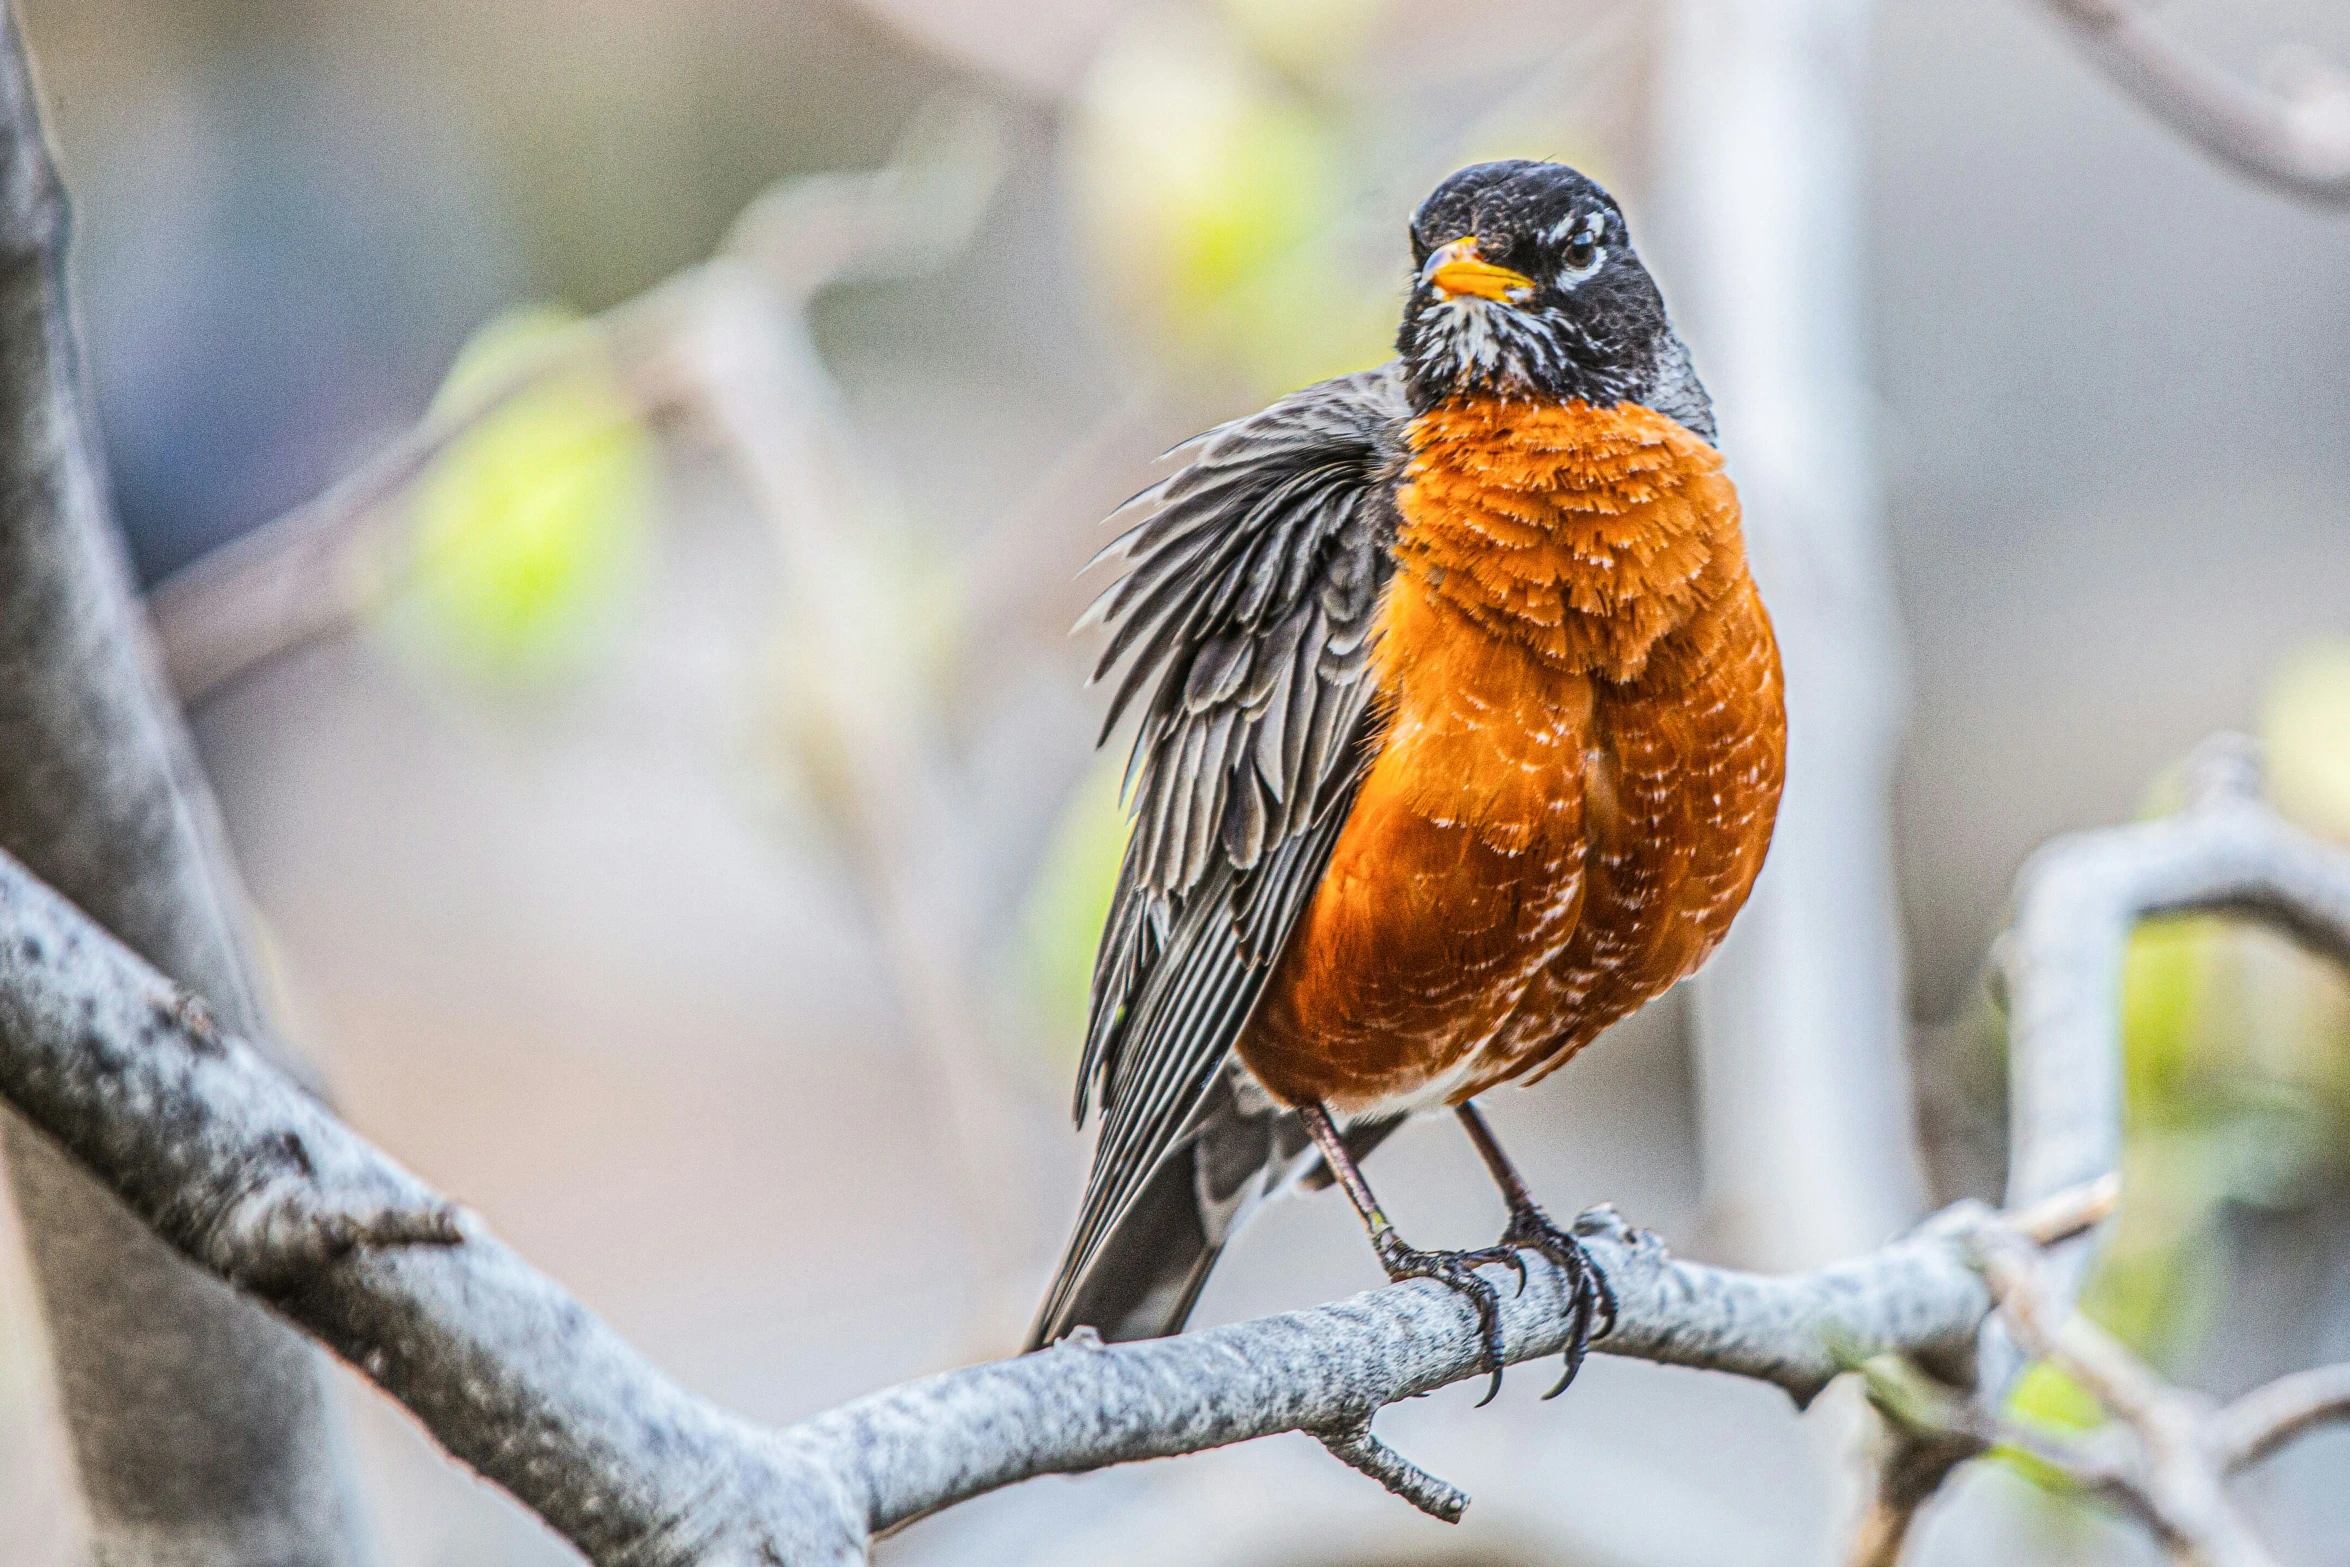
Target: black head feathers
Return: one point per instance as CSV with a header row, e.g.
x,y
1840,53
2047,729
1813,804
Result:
x,y
1525,284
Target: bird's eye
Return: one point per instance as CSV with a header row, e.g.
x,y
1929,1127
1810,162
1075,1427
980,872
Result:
x,y
1583,254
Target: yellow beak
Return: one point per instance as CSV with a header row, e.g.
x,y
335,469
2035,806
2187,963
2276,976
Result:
x,y
1457,269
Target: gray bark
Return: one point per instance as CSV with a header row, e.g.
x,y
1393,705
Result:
x,y
240,1170
199,1426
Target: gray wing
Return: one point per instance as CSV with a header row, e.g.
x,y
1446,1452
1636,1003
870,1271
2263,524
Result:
x,y
1255,578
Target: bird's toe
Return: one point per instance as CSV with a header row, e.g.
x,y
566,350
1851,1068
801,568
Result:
x,y
1591,1304
1458,1270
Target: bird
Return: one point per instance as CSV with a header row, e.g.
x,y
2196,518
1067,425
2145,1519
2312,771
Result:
x,y
1462,733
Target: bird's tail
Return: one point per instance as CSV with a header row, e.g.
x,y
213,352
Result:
x,y
1146,1275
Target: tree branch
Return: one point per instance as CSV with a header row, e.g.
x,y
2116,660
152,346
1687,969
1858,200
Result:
x,y
2167,1468
2266,1418
199,1426
2295,139
2164,1454
241,1171
1928,1430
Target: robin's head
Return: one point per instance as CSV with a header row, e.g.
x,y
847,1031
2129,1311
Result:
x,y
1526,284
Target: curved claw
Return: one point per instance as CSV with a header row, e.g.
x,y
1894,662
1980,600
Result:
x,y
1589,1290
1509,1254
1590,1298
1457,1270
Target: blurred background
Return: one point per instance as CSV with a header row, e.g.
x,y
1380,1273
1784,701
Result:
x,y
671,802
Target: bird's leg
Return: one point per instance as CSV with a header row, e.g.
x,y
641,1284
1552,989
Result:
x,y
1588,1295
1458,1269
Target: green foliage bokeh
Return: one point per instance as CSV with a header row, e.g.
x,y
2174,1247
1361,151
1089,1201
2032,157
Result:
x,y
532,529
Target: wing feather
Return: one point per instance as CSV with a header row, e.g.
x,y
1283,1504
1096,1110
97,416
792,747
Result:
x,y
1247,615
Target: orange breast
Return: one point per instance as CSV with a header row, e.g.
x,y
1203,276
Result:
x,y
1577,772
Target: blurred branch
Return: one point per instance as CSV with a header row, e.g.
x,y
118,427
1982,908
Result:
x,y
2060,964
323,566
1806,1130
869,734
242,1172
2293,136
2265,1419
1016,573
200,1428
2165,1454
1926,1431
2165,1467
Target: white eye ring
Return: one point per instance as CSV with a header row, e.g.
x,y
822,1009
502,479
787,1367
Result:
x,y
1570,276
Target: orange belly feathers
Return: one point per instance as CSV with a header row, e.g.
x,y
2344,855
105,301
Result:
x,y
1576,775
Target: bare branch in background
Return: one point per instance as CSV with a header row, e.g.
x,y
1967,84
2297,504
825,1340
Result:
x,y
1799,1030
2164,1453
1927,1430
871,740
2266,1418
2160,1460
201,1435
2293,136
326,564
2077,900
322,566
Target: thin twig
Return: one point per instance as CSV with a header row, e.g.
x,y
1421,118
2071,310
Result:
x,y
2049,1329
2295,139
2069,1213
324,565
1357,1448
2170,1472
2266,1418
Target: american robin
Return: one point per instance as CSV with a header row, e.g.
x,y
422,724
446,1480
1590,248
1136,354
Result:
x,y
1464,739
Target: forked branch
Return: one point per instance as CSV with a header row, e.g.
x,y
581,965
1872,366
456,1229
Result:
x,y
242,1172
2163,1453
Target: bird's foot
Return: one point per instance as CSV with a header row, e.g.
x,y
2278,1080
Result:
x,y
1458,1270
1590,1303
